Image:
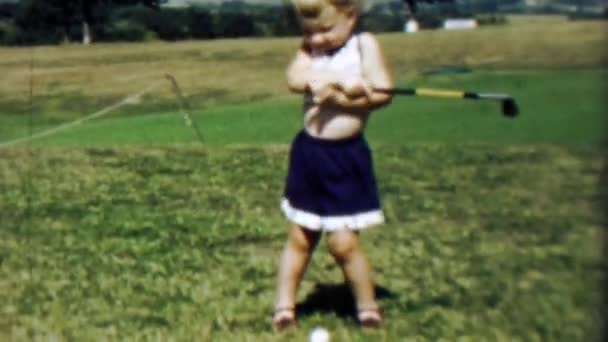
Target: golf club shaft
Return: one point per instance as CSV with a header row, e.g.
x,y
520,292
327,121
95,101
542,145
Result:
x,y
443,93
509,106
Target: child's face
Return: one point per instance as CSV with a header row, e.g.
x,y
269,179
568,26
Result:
x,y
328,32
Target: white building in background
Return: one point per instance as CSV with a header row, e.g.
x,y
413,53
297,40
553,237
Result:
x,y
411,26
536,3
459,24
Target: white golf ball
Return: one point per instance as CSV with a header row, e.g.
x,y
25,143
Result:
x,y
319,335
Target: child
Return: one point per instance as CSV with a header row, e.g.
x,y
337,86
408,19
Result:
x,y
331,185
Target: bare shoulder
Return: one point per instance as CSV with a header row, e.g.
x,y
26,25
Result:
x,y
374,66
368,41
298,71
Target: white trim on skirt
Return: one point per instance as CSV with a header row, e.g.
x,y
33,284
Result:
x,y
331,223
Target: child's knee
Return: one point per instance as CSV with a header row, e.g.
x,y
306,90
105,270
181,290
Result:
x,y
343,244
302,240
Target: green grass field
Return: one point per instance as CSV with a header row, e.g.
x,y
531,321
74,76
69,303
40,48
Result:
x,y
128,228
482,243
557,107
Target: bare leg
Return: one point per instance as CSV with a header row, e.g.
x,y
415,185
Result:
x,y
294,260
345,247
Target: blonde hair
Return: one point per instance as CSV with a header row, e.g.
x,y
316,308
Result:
x,y
314,9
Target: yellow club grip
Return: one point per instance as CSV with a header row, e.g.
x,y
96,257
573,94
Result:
x,y
439,93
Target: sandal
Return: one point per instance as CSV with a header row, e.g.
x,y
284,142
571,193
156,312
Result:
x,y
369,318
284,318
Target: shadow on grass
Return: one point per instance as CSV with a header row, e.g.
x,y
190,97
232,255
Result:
x,y
336,299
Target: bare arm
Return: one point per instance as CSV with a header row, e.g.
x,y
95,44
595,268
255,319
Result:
x,y
298,72
375,71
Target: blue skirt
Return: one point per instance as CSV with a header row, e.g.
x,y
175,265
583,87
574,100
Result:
x,y
331,184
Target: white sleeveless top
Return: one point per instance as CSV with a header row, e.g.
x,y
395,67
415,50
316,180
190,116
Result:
x,y
346,64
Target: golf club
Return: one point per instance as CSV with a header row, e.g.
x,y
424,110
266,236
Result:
x,y
509,106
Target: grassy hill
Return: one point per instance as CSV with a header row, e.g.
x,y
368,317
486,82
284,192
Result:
x,y
558,83
69,81
495,227
557,107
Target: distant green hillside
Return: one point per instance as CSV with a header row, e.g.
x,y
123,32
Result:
x,y
182,3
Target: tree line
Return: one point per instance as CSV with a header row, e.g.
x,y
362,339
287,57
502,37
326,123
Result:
x,y
31,22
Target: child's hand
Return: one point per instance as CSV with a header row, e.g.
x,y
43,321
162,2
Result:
x,y
355,87
321,88
326,91
344,93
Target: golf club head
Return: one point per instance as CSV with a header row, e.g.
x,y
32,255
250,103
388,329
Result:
x,y
510,108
